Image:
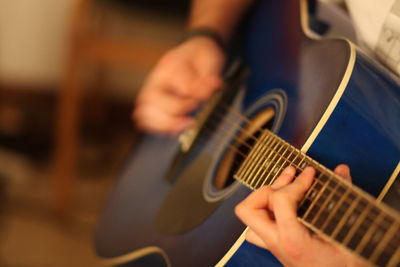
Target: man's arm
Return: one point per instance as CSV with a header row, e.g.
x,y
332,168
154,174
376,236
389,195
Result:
x,y
189,73
219,15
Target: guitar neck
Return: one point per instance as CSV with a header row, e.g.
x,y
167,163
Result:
x,y
332,206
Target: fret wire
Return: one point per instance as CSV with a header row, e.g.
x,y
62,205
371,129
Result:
x,y
245,166
262,160
288,145
361,229
390,255
338,205
368,235
266,146
345,216
270,151
285,159
277,139
315,182
272,163
314,205
295,155
303,163
384,242
299,164
253,160
351,221
395,259
262,180
313,198
357,223
326,201
275,170
316,198
247,160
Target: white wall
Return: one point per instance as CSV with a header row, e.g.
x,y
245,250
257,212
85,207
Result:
x,y
33,40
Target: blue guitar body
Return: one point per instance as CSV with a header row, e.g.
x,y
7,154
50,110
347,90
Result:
x,y
328,99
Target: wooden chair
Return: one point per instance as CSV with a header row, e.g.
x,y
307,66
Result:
x,y
88,46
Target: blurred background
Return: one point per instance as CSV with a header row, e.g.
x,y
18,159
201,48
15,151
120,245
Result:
x,y
69,71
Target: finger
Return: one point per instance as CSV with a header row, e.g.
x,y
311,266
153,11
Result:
x,y
170,77
301,184
253,212
285,202
285,178
343,171
152,119
167,102
172,71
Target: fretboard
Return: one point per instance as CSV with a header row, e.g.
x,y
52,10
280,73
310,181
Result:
x,y
332,206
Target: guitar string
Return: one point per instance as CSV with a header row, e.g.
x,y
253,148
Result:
x,y
331,191
237,150
282,142
277,153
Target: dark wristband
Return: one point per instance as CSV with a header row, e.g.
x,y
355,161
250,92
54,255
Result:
x,y
205,32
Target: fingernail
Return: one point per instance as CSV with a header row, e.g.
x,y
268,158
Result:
x,y
309,169
288,170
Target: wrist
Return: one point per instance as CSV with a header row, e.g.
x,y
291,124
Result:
x,y
205,32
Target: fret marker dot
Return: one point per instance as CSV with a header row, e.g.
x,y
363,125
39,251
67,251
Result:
x,y
377,236
330,206
313,193
351,219
303,165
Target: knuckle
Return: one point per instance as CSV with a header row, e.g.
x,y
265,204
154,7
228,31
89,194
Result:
x,y
273,248
268,189
279,196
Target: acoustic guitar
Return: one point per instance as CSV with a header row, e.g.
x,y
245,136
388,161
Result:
x,y
297,100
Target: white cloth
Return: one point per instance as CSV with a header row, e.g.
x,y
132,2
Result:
x,y
377,24
377,27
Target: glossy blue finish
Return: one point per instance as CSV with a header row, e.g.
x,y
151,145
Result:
x,y
364,129
251,255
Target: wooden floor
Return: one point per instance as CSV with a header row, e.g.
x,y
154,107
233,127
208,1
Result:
x,y
30,233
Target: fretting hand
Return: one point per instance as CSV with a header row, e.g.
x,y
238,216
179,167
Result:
x,y
270,214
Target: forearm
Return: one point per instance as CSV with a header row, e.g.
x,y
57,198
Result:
x,y
220,15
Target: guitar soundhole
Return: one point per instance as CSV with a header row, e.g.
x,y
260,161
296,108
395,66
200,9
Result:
x,y
240,146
